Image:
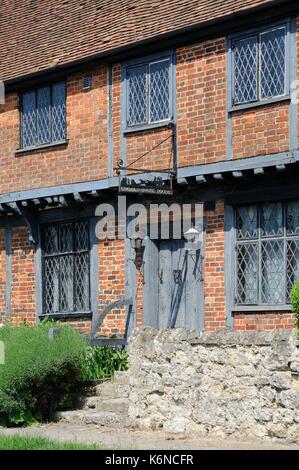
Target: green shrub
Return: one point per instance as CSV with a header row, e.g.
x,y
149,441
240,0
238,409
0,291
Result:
x,y
295,302
38,373
102,361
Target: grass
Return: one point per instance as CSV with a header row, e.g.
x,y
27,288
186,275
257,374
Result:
x,y
18,442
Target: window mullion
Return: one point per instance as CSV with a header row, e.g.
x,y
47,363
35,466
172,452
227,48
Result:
x,y
74,276
59,269
258,66
285,252
148,91
36,117
50,115
260,274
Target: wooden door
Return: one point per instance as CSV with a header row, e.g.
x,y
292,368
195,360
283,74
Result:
x,y
179,279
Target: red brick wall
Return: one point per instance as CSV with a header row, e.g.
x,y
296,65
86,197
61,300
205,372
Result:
x,y
23,306
2,275
201,102
116,113
139,143
263,321
297,55
214,287
260,131
83,159
112,283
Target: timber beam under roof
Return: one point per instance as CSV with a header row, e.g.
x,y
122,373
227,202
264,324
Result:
x,y
27,206
216,174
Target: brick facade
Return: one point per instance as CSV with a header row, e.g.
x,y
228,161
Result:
x,y
201,108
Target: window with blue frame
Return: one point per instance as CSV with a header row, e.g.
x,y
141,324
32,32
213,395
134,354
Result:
x,y
148,92
260,65
43,116
66,268
267,253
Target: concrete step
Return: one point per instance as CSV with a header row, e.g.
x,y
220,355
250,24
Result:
x,y
100,418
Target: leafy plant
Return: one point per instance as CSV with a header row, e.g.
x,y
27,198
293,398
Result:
x,y
38,373
295,302
102,361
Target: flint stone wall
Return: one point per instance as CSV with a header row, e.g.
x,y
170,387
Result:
x,y
222,384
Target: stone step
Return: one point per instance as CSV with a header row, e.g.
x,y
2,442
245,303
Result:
x,y
87,402
112,390
113,405
100,418
122,377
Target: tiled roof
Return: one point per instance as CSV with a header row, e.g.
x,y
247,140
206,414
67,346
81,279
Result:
x,y
36,35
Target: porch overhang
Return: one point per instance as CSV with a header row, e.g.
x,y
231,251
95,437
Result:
x,y
27,203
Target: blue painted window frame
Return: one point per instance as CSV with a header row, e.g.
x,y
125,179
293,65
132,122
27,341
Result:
x,y
147,61
57,223
51,141
285,237
258,31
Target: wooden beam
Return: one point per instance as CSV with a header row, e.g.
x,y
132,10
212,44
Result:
x,y
218,177
31,221
280,168
63,201
95,194
200,179
14,207
182,182
259,171
238,174
78,197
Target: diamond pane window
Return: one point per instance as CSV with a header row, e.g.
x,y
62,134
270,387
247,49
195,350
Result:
x,y
43,116
272,272
247,269
247,222
273,54
246,62
271,219
293,218
66,260
58,112
259,65
292,265
148,92
29,119
137,96
267,253
159,91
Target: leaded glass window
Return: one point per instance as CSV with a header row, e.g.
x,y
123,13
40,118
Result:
x,y
148,92
66,261
260,66
267,253
43,119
